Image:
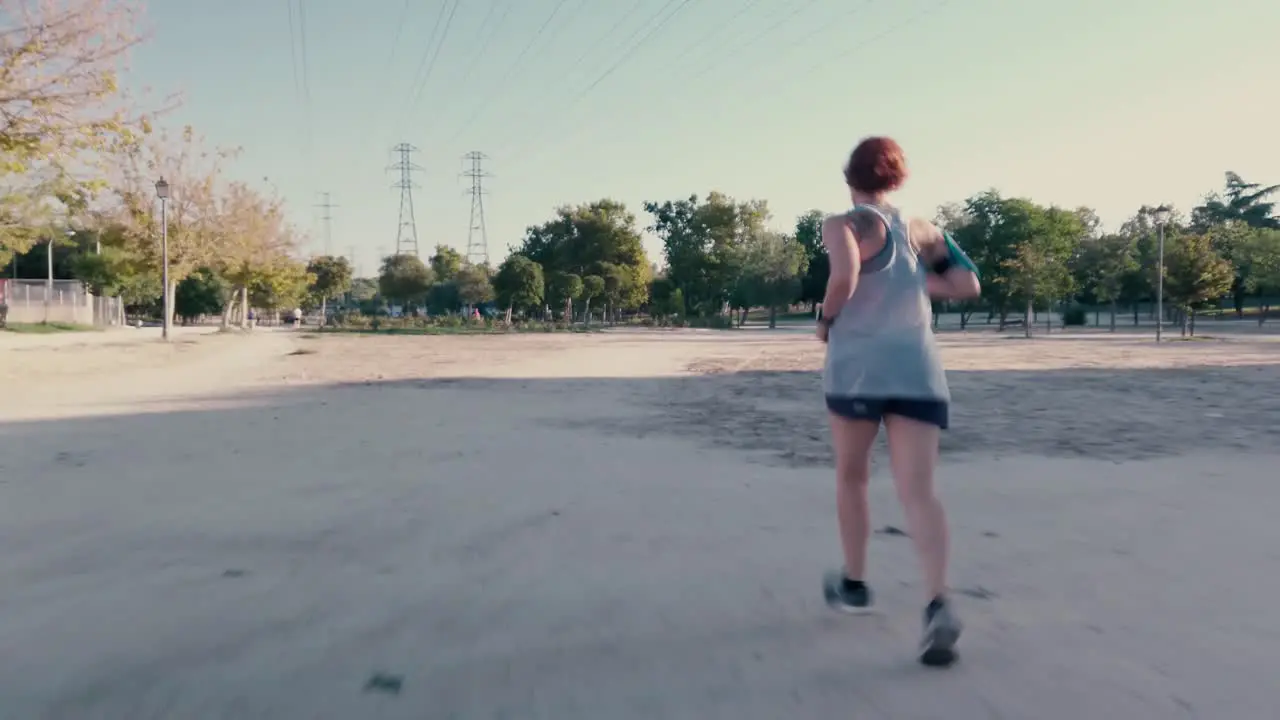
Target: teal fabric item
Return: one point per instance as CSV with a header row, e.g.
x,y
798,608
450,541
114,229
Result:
x,y
958,256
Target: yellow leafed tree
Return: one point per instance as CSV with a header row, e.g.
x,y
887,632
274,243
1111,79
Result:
x,y
60,104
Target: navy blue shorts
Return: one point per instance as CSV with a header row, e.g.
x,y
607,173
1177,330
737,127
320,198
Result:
x,y
934,412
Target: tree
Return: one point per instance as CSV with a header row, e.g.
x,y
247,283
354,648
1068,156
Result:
x,y
518,285
1259,254
1039,268
813,286
474,284
404,279
279,285
665,299
703,244
564,288
579,239
1105,263
617,286
363,289
59,67
992,229
1240,202
332,278
202,292
446,263
1194,273
592,288
443,297
60,108
249,239
773,266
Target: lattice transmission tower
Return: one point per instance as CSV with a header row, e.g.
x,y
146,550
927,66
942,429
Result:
x,y
407,230
477,234
327,218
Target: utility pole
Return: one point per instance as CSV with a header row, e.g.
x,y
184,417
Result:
x,y
407,230
327,218
477,235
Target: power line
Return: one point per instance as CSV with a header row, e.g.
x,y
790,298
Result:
x,y
602,37
630,52
432,53
917,17
484,105
477,233
486,42
534,149
488,39
307,129
407,228
755,39
704,40
293,51
395,42
302,33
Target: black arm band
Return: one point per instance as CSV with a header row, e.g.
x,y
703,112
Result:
x,y
942,264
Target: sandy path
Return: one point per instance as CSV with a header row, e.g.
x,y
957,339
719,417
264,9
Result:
x,y
565,527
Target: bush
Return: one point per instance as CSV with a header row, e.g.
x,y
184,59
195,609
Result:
x,y
1074,316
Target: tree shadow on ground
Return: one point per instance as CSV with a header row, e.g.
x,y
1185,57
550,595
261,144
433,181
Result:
x,y
779,417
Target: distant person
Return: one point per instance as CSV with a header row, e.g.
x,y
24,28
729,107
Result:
x,y
883,367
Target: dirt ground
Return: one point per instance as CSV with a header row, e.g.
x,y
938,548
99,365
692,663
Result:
x,y
628,524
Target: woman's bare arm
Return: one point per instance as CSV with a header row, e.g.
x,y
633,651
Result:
x,y
958,282
842,252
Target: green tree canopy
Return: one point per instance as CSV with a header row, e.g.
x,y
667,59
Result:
x,y
404,279
475,285
703,244
203,292
773,266
518,285
445,263
332,277
581,239
808,233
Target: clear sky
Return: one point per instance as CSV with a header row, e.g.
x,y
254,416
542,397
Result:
x,y
1107,103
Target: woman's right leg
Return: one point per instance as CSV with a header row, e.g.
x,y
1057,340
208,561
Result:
x,y
913,456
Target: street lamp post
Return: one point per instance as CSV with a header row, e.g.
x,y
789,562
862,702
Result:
x,y
1161,215
162,192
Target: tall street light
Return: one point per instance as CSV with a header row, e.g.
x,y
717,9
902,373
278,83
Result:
x,y
162,192
1161,215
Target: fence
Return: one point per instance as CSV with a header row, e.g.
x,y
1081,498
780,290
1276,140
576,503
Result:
x,y
62,301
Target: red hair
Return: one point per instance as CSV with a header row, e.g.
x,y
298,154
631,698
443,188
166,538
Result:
x,y
877,165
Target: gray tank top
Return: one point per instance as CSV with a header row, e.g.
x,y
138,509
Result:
x,y
881,344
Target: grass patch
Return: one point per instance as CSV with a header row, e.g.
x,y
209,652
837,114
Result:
x,y
47,328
